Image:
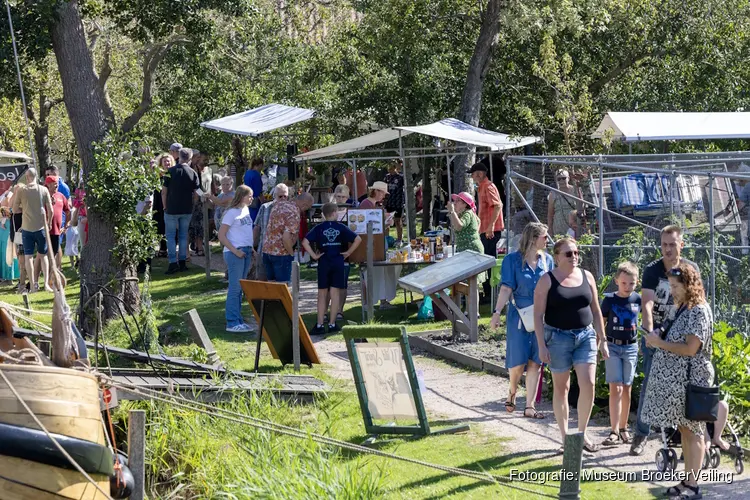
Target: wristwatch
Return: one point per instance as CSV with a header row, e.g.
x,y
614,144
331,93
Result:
x,y
495,311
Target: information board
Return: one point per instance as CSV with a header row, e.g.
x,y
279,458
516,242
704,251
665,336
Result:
x,y
447,272
357,219
384,373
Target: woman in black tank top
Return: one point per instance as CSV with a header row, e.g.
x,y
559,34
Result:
x,y
570,329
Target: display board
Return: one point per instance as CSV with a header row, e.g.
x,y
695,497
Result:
x,y
356,220
445,273
384,373
386,381
271,304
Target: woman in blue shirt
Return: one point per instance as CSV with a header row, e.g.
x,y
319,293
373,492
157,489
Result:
x,y
520,273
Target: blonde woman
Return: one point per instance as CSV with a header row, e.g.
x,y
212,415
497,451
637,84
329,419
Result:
x,y
236,234
520,273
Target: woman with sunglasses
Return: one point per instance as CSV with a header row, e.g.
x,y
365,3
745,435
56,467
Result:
x,y
566,305
520,273
560,206
684,342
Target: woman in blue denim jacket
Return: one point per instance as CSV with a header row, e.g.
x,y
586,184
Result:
x,y
520,273
566,305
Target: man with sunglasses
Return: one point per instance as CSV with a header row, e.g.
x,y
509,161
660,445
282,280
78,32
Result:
x,y
657,306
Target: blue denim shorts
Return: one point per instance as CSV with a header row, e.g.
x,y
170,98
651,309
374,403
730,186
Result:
x,y
620,367
568,348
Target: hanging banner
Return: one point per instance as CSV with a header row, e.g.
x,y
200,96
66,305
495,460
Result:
x,y
9,174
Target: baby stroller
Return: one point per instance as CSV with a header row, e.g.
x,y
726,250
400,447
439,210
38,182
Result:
x,y
666,457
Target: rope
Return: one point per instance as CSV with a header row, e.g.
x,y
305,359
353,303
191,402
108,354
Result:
x,y
33,311
54,441
290,431
23,356
29,320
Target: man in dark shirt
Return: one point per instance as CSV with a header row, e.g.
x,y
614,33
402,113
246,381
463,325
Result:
x,y
657,306
177,195
395,200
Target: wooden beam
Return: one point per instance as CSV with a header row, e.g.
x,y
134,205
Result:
x,y
137,452
200,336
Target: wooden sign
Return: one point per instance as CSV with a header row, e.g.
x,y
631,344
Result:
x,y
386,381
271,304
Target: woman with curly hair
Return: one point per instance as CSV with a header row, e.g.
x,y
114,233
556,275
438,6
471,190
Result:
x,y
683,349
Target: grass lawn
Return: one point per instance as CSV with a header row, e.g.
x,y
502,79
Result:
x,y
209,458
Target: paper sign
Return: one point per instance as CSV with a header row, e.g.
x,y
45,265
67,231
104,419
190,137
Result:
x,y
357,220
389,394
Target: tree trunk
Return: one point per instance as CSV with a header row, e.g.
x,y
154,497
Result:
x,y
90,118
240,162
471,100
41,134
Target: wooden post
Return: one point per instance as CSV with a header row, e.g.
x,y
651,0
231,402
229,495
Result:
x,y
200,336
570,487
295,315
46,347
137,452
26,303
370,251
473,301
206,239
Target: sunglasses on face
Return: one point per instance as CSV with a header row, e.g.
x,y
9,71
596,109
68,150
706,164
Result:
x,y
676,273
570,253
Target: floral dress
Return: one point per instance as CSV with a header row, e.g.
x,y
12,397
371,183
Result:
x,y
664,406
467,238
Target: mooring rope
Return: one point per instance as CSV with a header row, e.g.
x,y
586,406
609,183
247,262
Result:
x,y
54,441
293,432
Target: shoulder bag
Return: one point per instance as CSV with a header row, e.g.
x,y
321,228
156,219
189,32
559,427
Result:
x,y
701,403
527,313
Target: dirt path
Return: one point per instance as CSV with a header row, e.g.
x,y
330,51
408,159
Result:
x,y
456,395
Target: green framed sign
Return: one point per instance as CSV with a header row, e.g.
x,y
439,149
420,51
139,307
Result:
x,y
386,381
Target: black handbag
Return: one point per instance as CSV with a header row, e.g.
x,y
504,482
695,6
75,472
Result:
x,y
701,403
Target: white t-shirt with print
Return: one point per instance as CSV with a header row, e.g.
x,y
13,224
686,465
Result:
x,y
240,224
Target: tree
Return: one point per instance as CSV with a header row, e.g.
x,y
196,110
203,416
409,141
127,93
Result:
x,y
479,65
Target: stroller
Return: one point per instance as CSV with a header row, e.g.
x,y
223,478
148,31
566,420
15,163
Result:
x,y
666,457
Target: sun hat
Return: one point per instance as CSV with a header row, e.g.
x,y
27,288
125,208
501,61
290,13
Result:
x,y
466,198
380,186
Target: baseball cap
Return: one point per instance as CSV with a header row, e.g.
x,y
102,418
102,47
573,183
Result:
x,y
478,167
380,186
51,179
175,147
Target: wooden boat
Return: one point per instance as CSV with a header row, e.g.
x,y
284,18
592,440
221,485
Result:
x,y
66,402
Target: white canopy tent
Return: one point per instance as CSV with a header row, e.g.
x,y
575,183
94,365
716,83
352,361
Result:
x,y
633,127
254,122
449,129
12,155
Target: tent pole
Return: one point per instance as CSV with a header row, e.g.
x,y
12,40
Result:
x,y
712,233
354,180
492,172
20,85
406,174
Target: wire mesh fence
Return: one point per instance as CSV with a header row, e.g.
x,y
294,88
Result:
x,y
706,194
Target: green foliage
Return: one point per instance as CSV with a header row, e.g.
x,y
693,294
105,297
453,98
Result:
x,y
122,178
731,359
149,332
204,457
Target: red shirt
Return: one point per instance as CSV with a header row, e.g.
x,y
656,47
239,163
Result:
x,y
59,205
489,199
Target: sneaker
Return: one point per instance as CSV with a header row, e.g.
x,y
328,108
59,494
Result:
x,y
638,446
243,328
318,330
249,328
333,328
183,266
173,268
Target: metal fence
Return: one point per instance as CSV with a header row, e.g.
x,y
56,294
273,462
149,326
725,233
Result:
x,y
640,194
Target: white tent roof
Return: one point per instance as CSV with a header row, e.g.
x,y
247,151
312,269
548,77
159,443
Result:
x,y
450,129
458,131
256,121
379,137
14,156
629,127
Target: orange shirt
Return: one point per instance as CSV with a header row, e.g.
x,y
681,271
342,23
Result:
x,y
489,198
361,183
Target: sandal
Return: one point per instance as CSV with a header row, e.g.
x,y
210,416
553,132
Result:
x,y
676,490
625,436
535,415
614,439
591,447
510,403
690,493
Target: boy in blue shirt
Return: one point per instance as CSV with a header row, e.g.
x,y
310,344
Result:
x,y
620,311
331,238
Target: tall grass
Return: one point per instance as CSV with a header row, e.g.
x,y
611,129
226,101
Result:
x,y
192,455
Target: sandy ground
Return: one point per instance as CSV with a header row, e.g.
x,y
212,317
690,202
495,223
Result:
x,y
453,395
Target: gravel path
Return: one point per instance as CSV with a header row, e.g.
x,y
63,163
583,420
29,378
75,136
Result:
x,y
456,395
